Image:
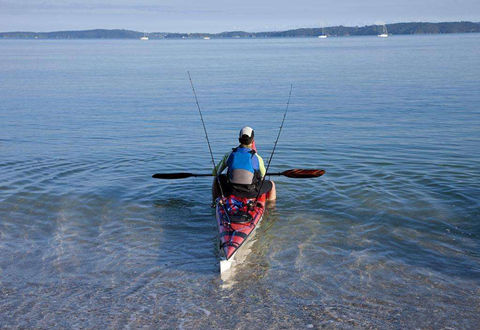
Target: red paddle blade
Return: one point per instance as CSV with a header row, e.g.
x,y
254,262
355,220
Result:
x,y
303,173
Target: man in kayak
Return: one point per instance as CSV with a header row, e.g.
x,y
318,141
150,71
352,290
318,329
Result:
x,y
245,172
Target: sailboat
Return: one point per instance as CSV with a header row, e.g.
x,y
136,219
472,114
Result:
x,y
384,33
144,36
323,35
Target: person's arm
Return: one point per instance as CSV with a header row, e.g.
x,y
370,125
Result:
x,y
261,165
221,165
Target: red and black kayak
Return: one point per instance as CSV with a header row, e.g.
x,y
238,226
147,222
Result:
x,y
237,219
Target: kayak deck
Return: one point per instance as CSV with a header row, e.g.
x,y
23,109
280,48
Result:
x,y
236,221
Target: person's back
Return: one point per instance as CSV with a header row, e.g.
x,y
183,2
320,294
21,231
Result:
x,y
245,172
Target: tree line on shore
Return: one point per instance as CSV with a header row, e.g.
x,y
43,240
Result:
x,y
336,31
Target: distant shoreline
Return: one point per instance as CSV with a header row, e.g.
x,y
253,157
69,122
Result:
x,y
332,31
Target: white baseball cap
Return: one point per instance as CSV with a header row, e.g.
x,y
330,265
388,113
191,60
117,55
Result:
x,y
246,135
248,131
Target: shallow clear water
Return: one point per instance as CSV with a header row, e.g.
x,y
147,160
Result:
x,y
389,237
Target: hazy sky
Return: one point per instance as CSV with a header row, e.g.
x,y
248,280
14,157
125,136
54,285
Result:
x,y
226,15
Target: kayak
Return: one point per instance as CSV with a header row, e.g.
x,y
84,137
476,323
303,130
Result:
x,y
237,218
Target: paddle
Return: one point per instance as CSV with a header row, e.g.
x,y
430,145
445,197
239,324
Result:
x,y
293,173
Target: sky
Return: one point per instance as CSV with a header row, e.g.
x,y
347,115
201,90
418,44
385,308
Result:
x,y
224,15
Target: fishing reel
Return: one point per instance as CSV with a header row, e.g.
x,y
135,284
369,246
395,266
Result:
x,y
251,205
216,202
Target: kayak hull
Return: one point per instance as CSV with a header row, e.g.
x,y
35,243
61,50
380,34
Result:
x,y
236,223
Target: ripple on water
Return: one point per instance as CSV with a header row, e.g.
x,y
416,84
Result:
x,y
388,237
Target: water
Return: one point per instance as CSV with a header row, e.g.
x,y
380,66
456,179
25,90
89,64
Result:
x,y
388,238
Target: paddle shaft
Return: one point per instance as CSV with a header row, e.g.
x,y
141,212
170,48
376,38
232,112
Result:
x,y
293,173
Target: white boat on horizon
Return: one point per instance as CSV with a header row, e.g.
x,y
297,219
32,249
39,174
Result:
x,y
323,35
384,33
144,37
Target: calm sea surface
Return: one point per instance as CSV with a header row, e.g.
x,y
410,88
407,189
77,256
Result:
x,y
388,238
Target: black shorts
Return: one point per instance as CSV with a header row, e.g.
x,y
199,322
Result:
x,y
243,190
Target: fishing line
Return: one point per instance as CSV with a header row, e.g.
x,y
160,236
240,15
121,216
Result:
x,y
206,135
275,145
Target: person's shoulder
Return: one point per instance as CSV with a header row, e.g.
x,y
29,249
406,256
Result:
x,y
227,154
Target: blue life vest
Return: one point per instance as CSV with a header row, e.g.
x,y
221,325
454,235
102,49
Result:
x,y
243,167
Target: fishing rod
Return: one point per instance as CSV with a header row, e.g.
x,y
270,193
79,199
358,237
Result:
x,y
275,145
206,135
